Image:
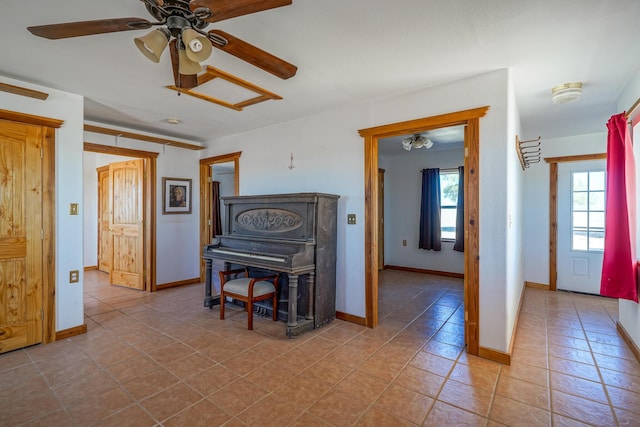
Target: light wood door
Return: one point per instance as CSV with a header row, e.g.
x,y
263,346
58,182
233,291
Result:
x,y
127,223
104,235
21,244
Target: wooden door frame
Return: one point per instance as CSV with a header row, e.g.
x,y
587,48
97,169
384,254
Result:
x,y
149,191
99,170
205,197
381,219
553,209
48,215
471,120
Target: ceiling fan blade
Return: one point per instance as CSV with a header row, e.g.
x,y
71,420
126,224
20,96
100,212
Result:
x,y
86,28
227,9
182,81
253,55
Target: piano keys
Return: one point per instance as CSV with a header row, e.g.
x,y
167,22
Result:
x,y
293,234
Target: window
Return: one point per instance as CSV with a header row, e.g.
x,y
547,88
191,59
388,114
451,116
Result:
x,y
587,211
448,204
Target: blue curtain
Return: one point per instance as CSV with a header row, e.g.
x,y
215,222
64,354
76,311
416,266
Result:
x,y
459,244
430,210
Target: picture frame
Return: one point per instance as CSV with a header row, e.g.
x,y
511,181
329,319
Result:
x,y
176,196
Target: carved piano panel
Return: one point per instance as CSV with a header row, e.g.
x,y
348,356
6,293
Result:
x,y
294,234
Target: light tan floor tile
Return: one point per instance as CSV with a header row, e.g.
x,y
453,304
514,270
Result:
x,y
420,381
238,396
431,363
465,397
580,409
443,414
170,401
476,377
523,392
579,387
338,408
515,413
405,403
270,411
376,417
132,416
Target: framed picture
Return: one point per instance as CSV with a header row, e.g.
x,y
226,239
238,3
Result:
x,y
176,196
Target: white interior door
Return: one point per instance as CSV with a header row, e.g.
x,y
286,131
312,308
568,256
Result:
x,y
581,211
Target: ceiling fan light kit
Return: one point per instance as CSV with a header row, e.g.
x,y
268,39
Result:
x,y
186,66
416,141
567,92
182,24
153,44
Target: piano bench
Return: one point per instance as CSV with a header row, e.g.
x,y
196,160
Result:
x,y
248,290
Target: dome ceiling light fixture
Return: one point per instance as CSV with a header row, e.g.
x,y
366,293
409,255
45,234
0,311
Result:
x,y
567,92
416,141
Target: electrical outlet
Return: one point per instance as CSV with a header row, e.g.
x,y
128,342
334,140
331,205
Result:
x,y
74,276
404,243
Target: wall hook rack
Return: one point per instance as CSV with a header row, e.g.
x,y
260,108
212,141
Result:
x,y
528,151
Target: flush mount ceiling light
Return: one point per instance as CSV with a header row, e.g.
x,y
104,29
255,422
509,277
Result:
x,y
173,121
416,141
567,92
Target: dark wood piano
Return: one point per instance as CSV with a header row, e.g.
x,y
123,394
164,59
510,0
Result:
x,y
292,234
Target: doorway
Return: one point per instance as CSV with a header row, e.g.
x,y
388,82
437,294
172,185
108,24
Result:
x,y
581,206
228,170
554,211
146,280
471,120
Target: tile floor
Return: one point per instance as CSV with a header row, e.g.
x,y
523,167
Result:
x,y
164,360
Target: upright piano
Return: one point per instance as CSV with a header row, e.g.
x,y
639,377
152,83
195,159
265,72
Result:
x,y
292,234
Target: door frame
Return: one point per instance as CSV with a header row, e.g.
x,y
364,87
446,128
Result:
x,y
553,209
380,219
206,228
471,120
149,182
101,190
48,215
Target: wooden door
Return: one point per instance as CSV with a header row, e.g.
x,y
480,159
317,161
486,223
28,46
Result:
x,y
380,219
127,223
21,234
104,235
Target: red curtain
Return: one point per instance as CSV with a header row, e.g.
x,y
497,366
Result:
x,y
620,263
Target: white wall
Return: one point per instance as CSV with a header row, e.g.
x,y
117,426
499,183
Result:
x,y
536,200
513,224
402,210
176,230
629,311
69,143
328,157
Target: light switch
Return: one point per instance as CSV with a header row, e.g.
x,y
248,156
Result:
x,y
73,209
74,276
351,218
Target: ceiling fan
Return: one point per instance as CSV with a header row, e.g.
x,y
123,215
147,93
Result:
x,y
181,26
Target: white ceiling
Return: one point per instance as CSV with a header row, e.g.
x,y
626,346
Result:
x,y
345,51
